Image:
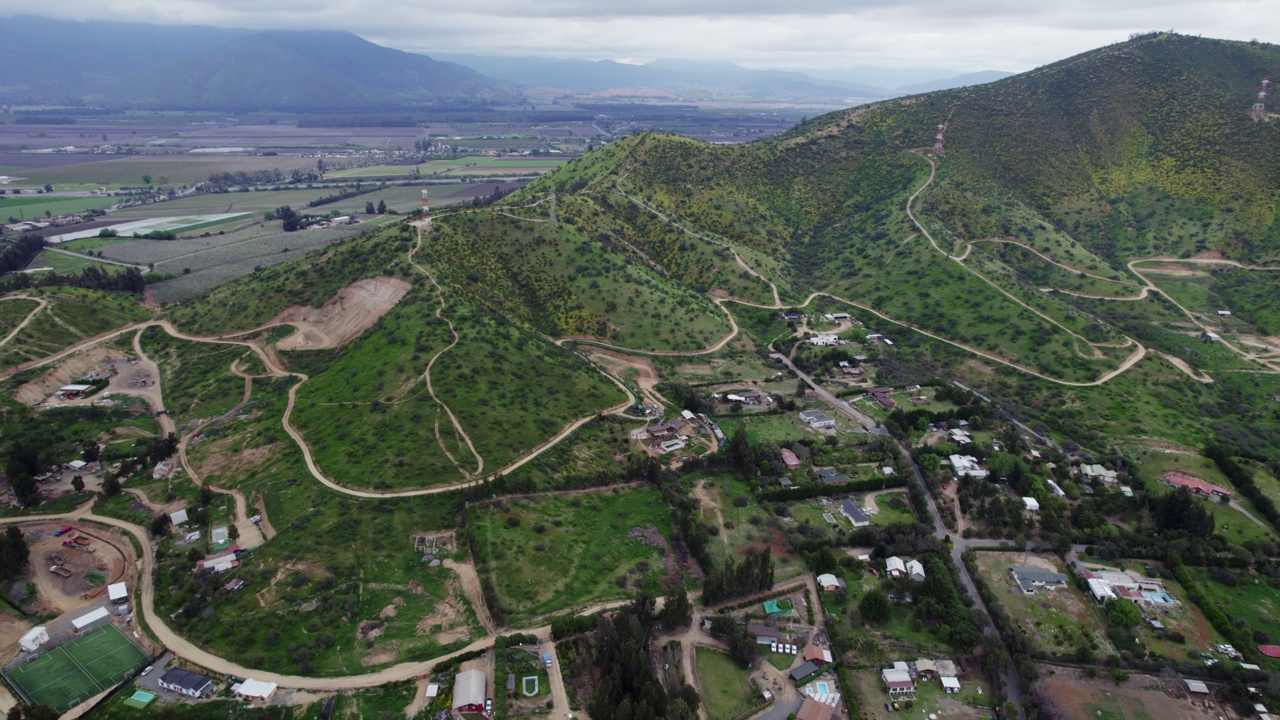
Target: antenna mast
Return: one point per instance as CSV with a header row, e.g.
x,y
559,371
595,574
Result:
x,y
938,140
1259,110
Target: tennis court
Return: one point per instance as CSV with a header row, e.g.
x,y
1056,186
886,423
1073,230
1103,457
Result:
x,y
77,670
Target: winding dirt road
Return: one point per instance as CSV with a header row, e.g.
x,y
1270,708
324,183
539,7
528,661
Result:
x,y
40,305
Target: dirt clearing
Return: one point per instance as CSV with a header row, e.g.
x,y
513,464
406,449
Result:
x,y
344,317
1071,695
95,359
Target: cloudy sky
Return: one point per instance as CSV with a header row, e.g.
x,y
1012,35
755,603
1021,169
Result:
x,y
962,35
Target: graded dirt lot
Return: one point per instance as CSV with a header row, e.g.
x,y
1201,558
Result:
x,y
66,372
1142,697
344,317
113,557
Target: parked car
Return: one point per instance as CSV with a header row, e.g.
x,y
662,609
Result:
x,y
148,669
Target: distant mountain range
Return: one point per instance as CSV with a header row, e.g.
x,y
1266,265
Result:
x,y
690,77
154,66
131,65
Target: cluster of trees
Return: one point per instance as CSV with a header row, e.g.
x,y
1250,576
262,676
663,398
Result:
x,y
13,552
128,280
1242,478
1180,511
357,189
20,252
220,182
629,689
731,580
381,209
22,465
742,644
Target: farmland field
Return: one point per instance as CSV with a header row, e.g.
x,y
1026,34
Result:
x,y
724,685
64,263
164,169
461,166
35,206
1252,598
548,553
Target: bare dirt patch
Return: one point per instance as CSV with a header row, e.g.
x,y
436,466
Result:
x,y
97,358
12,629
58,594
1142,696
448,620
392,609
344,317
381,654
1172,269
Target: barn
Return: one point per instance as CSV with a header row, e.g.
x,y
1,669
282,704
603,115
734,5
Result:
x,y
468,691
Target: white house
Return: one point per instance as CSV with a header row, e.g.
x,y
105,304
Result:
x,y
824,341
1031,504
895,567
34,638
960,437
915,570
118,592
185,682
898,682
257,690
817,419
966,466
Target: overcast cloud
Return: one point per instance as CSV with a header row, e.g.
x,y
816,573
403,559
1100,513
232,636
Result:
x,y
960,35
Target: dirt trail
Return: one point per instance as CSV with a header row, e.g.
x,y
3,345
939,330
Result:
x,y
1184,367
701,495
471,588
40,305
1051,261
164,508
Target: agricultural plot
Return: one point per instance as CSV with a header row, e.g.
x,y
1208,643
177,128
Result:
x,y
15,209
548,553
725,690
767,429
1058,621
177,224
77,670
1252,598
893,509
163,169
65,264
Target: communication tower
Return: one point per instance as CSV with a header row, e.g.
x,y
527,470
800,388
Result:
x,y
938,144
426,204
1259,110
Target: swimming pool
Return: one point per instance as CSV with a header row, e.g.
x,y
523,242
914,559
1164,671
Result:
x,y
822,688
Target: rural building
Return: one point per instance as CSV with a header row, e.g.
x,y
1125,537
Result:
x,y
966,466
118,593
764,634
1197,687
926,667
774,607
852,371
34,638
881,395
255,690
220,535
790,460
1210,337
219,563
1055,488
1029,578
850,509
895,567
830,477
817,419
803,671
90,619
179,517
829,582
185,682
1030,504
960,437
1224,313
887,471
790,315
950,685
666,430
824,341
73,392
687,416
1195,485
817,655
468,691
898,682
811,709
1097,472
837,317
786,483
915,571
946,668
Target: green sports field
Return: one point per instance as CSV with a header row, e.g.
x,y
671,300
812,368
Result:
x,y
76,671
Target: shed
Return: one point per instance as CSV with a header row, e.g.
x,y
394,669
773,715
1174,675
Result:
x,y
34,638
255,690
77,464
1197,687
950,685
118,592
179,517
1031,504
90,618
926,666
433,691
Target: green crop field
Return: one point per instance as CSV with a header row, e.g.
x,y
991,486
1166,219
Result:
x,y
548,553
724,685
164,169
66,264
1249,598
35,207
75,671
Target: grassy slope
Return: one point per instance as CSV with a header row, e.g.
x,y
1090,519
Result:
x,y
73,314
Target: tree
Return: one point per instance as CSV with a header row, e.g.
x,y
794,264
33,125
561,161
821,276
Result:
x,y
874,608
48,187
77,483
146,179
24,487
740,449
111,486
1122,613
678,612
160,524
368,208
233,532
382,207
291,220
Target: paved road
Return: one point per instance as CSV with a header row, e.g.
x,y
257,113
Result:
x,y
866,421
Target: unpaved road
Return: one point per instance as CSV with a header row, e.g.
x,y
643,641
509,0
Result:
x,y
471,588
40,305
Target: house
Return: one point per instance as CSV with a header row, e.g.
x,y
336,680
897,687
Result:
x,y
687,416
468,691
855,514
881,395
817,419
1210,337
1224,313
966,466
1097,472
811,709
853,371
960,437
824,341
786,483
34,638
898,682
837,317
1195,485
178,518
764,634
816,655
118,593
829,582
257,690
221,562
950,685
790,316
915,571
666,430
803,671
830,477
234,585
1029,578
1030,504
790,460
895,567
185,682
887,471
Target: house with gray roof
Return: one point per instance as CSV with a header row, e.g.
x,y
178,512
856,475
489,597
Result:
x,y
1029,578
